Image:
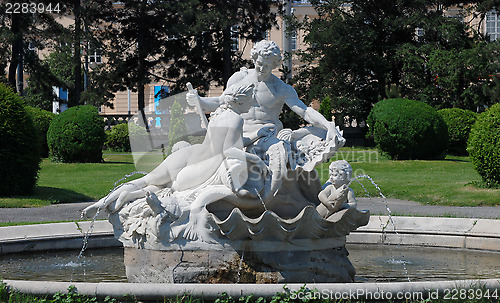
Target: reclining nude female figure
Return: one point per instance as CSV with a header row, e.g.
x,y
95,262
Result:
x,y
192,165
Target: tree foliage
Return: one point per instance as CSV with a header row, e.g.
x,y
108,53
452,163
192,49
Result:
x,y
41,119
18,30
179,41
408,129
447,78
117,138
63,67
459,123
19,146
177,130
356,49
77,135
325,108
484,145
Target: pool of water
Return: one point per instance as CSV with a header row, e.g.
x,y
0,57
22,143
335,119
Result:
x,y
372,263
375,263
102,265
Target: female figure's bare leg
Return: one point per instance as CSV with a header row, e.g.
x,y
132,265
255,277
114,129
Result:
x,y
160,177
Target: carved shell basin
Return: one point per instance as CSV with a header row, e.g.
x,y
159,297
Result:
x,y
308,224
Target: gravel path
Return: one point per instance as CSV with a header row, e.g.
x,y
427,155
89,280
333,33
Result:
x,y
410,208
51,213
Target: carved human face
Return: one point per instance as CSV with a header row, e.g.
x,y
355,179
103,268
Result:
x,y
338,176
264,66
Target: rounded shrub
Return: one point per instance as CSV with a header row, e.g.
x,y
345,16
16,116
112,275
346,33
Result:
x,y
19,146
408,129
77,135
459,122
484,145
42,119
117,138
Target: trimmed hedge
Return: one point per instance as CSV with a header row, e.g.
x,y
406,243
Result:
x,y
484,145
408,129
459,122
77,135
118,138
42,119
19,146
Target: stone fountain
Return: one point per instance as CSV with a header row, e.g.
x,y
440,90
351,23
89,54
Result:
x,y
246,205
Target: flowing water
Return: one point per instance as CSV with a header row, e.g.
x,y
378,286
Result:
x,y
88,233
240,266
261,200
403,261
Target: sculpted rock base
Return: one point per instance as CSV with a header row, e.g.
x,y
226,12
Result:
x,y
231,266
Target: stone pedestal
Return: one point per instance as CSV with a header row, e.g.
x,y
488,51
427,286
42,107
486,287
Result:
x,y
229,265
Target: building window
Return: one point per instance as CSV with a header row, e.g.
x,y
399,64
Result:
x,y
235,38
419,34
265,35
293,39
95,56
493,25
32,46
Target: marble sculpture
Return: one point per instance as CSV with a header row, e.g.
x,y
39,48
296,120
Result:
x,y
246,205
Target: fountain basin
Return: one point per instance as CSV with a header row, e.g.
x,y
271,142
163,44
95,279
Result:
x,y
470,234
374,264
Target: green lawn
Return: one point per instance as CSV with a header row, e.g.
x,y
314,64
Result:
x,y
445,182
74,182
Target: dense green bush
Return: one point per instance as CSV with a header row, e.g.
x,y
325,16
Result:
x,y
408,129
177,130
117,138
19,146
459,122
484,145
42,119
77,135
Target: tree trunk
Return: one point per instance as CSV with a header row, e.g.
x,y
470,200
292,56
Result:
x,y
77,61
141,73
20,70
16,51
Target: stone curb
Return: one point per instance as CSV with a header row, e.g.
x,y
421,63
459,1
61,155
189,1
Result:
x,y
55,236
353,291
465,233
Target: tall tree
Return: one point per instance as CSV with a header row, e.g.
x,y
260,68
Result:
x,y
77,57
354,49
39,27
181,41
216,29
17,30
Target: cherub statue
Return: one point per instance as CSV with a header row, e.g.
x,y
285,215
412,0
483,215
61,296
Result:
x,y
337,194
